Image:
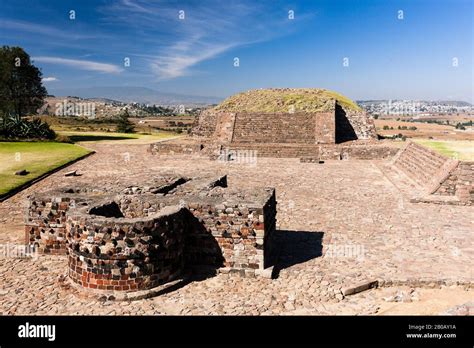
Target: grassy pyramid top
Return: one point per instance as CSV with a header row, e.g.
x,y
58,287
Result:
x,y
282,100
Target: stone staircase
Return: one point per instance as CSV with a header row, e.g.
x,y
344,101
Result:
x,y
424,166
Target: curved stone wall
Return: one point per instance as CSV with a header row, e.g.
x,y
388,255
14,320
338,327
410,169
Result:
x,y
123,254
143,236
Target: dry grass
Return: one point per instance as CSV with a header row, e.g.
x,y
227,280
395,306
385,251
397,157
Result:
x,y
462,150
285,99
424,130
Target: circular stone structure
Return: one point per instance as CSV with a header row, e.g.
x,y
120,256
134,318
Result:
x,y
135,241
107,251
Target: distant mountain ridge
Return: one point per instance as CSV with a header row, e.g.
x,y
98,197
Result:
x,y
135,94
458,103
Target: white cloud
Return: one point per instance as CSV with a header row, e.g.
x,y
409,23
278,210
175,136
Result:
x,y
80,64
209,29
40,29
178,61
133,6
49,79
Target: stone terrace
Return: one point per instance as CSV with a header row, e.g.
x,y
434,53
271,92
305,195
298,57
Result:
x,y
337,223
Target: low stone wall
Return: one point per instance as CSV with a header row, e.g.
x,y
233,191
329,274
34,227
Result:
x,y
314,153
459,182
244,233
45,225
369,150
145,236
126,254
206,124
176,146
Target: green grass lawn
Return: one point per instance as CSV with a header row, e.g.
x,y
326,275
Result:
x,y
112,137
459,149
37,158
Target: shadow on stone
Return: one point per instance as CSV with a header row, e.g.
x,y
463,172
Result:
x,y
201,247
344,130
109,209
296,247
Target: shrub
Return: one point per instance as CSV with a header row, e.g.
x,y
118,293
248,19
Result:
x,y
123,124
15,127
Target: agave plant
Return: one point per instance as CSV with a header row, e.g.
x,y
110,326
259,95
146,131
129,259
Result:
x,y
14,127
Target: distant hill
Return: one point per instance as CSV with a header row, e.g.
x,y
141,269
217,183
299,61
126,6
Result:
x,y
136,94
457,103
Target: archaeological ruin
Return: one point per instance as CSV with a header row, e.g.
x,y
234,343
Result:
x,y
137,238
435,178
136,233
306,123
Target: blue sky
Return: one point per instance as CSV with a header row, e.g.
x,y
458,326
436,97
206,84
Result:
x,y
410,58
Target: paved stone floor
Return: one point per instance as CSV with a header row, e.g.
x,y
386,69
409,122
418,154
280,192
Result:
x,y
339,223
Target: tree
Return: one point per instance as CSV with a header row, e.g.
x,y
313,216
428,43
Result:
x,y
123,124
21,90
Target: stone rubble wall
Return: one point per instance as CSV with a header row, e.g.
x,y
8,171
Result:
x,y
206,123
225,125
363,126
45,225
244,233
358,152
460,182
126,254
325,128
136,240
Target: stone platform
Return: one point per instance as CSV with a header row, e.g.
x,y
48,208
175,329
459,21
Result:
x,y
365,150
339,223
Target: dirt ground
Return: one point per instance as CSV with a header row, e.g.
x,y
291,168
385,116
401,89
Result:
x,y
424,130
